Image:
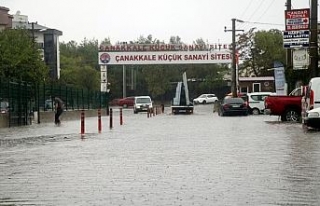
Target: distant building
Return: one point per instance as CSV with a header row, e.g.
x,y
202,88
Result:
x,y
256,84
5,18
46,38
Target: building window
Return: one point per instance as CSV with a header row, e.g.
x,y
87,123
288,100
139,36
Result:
x,y
256,87
243,89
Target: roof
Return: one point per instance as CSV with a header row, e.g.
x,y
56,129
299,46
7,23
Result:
x,y
267,78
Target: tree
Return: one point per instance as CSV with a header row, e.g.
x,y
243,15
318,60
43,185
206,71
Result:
x,y
88,78
79,64
88,50
20,58
260,50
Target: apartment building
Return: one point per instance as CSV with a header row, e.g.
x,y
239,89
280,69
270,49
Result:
x,y
46,38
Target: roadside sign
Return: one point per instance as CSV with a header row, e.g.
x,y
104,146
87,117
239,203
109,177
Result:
x,y
300,59
280,80
293,39
297,19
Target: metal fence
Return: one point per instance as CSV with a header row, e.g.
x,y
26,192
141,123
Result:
x,y
73,98
16,100
19,100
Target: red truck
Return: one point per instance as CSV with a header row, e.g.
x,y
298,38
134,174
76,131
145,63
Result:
x,y
288,107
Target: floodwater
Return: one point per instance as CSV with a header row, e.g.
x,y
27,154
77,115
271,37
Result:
x,y
198,159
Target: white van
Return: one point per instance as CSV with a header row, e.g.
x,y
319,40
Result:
x,y
142,103
256,101
312,99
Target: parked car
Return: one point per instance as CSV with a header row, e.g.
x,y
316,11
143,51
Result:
x,y
4,107
313,94
142,103
205,99
256,102
312,118
243,96
126,102
288,107
48,105
114,102
233,106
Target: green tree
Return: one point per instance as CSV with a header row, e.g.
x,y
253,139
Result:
x,y
79,64
88,51
20,58
88,78
259,50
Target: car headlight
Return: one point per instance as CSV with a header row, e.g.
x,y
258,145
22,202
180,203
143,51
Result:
x,y
313,114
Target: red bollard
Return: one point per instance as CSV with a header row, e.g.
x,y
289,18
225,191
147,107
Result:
x,y
82,123
99,121
121,120
111,121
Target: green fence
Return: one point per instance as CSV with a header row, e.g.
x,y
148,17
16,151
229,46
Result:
x,y
73,98
16,101
20,99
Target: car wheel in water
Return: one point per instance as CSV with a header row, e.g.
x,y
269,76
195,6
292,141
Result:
x,y
255,111
204,101
291,115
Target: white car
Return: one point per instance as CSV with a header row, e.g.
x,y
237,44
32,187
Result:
x,y
142,103
312,118
205,99
256,101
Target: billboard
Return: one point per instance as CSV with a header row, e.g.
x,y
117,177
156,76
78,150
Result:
x,y
297,19
293,39
297,32
165,57
300,59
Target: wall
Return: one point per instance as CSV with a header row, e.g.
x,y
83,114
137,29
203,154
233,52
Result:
x,y
69,115
266,86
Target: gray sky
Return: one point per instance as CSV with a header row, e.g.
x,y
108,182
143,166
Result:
x,y
125,20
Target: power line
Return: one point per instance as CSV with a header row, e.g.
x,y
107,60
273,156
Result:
x,y
263,23
266,10
255,10
246,9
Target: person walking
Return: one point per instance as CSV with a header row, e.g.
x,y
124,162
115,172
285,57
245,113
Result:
x,y
59,106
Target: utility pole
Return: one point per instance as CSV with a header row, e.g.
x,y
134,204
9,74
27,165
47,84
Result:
x,y
313,50
124,82
289,63
32,30
234,57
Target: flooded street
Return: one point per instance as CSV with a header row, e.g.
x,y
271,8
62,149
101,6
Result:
x,y
199,159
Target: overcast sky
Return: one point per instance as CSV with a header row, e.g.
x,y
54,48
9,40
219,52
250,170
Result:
x,y
126,20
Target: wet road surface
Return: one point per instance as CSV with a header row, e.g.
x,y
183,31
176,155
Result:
x,y
199,159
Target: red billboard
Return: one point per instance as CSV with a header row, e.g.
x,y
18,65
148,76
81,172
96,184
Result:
x,y
297,19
